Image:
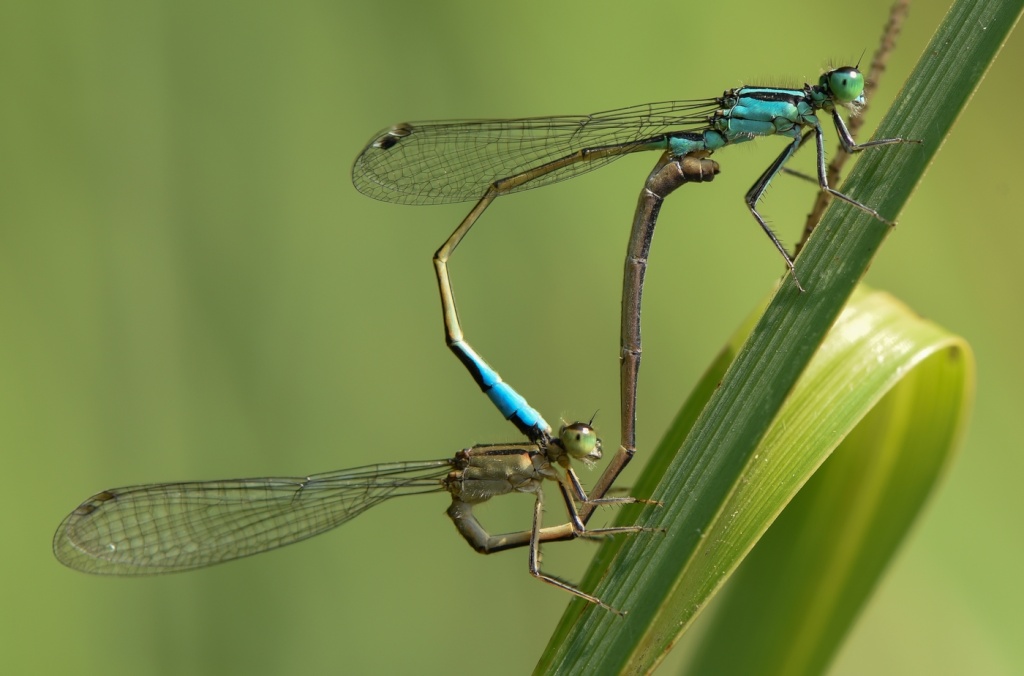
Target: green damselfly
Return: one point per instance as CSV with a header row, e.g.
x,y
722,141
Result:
x,y
172,527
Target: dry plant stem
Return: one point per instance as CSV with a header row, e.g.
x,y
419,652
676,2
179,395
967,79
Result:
x,y
897,15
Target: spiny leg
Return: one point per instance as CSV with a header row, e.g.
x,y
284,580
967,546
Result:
x,y
535,557
580,529
756,191
850,146
819,139
461,514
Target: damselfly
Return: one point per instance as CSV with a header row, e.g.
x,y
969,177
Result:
x,y
461,160
171,527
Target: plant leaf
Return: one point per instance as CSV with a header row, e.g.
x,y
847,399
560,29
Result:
x,y
641,574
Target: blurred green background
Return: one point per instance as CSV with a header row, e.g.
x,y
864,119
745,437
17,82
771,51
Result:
x,y
192,289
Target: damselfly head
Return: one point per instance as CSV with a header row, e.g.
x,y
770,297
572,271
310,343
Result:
x,y
580,441
845,85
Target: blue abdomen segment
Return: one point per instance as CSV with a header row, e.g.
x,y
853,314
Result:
x,y
684,143
511,404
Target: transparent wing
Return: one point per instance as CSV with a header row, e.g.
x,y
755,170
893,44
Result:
x,y
162,528
455,161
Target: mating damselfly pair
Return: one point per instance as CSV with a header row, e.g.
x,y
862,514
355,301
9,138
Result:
x,y
158,528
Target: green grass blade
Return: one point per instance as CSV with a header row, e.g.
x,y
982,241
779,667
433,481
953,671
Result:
x,y
883,377
893,392
704,470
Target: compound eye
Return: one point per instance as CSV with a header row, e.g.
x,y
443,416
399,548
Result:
x,y
580,441
846,84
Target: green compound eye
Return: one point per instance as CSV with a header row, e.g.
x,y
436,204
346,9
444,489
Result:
x,y
580,441
846,84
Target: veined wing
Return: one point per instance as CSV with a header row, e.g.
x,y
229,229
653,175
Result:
x,y
456,160
163,528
